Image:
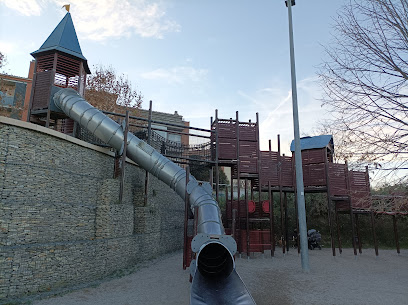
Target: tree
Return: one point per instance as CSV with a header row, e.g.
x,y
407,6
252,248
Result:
x,y
6,89
201,172
108,91
365,81
2,60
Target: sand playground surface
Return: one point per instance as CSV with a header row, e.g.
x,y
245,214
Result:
x,y
343,279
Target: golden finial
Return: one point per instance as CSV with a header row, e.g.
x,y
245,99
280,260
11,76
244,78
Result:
x,y
66,7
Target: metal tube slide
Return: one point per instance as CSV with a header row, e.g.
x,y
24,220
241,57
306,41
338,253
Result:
x,y
214,249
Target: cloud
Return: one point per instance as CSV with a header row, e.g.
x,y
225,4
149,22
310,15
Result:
x,y
177,75
24,7
7,47
105,19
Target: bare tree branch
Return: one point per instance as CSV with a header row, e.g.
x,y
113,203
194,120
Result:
x,y
365,82
109,91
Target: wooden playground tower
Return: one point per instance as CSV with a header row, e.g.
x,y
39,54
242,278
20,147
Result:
x,y
251,222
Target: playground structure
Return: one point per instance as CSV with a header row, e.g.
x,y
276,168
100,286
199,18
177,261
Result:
x,y
249,227
60,64
251,221
214,268
231,143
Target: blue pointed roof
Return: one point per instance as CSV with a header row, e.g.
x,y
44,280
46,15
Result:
x,y
313,142
63,39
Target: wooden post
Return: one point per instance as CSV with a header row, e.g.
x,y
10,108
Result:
x,y
186,206
286,222
149,135
238,175
217,173
280,196
270,196
234,220
30,105
358,233
123,158
54,71
232,202
353,233
394,221
329,205
374,235
338,227
226,199
214,151
258,152
247,217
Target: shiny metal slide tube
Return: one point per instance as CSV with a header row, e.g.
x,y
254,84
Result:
x,y
214,257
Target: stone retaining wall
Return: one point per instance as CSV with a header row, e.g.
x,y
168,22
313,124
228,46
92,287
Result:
x,y
61,223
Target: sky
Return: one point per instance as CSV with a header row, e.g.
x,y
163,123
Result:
x,y
193,56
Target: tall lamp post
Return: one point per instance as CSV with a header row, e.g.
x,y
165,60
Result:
x,y
298,156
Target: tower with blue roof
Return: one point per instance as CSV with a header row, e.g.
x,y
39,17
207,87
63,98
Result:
x,y
59,63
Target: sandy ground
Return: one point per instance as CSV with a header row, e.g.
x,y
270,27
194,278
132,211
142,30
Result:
x,y
344,279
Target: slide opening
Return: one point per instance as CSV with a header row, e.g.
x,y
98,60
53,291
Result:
x,y
215,261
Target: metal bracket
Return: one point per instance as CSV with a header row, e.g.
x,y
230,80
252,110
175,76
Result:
x,y
193,267
191,185
201,239
229,242
207,187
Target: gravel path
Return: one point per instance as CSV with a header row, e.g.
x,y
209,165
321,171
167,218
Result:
x,y
343,279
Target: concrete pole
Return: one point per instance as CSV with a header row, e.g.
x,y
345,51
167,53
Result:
x,y
298,156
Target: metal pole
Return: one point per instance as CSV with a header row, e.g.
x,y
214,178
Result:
x,y
298,157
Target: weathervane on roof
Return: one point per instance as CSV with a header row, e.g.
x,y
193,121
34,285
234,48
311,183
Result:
x,y
66,7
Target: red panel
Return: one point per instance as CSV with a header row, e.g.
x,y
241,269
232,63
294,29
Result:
x,y
287,171
248,165
251,206
265,206
338,179
314,175
258,240
359,190
67,126
343,205
312,156
42,89
227,149
269,168
226,129
248,149
271,156
248,132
